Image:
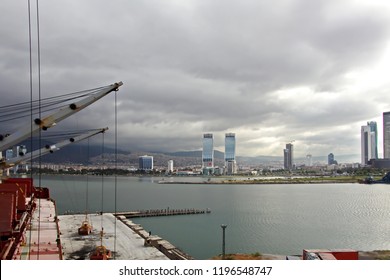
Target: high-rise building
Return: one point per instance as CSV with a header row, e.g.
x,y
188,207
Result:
x,y
288,156
170,166
309,160
331,159
374,129
369,149
208,151
386,135
230,153
145,163
9,154
17,151
230,146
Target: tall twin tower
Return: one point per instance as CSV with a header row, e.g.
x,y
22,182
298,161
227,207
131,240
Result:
x,y
230,152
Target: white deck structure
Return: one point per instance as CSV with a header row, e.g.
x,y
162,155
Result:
x,y
129,245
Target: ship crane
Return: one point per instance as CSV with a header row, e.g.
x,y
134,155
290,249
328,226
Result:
x,y
49,149
26,131
9,140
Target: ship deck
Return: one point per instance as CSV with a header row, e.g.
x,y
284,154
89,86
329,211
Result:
x,y
41,239
119,238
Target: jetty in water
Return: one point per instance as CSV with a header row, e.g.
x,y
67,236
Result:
x,y
162,212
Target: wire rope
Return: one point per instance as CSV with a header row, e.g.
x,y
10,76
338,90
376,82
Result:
x,y
102,198
40,116
16,111
67,96
116,169
87,187
31,98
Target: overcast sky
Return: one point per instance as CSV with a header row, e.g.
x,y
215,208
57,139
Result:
x,y
312,71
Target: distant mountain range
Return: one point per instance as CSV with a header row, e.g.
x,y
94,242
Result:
x,y
73,153
82,154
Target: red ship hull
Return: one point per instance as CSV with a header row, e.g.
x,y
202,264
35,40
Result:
x,y
28,222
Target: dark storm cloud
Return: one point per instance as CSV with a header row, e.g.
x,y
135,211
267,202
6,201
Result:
x,y
269,72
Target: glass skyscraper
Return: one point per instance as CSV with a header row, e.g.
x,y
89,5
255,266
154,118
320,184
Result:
x,y
208,151
374,129
288,157
331,159
230,153
386,135
145,163
230,146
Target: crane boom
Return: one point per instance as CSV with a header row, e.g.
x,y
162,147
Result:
x,y
49,149
50,120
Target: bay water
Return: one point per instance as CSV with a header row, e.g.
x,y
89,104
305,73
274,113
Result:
x,y
266,218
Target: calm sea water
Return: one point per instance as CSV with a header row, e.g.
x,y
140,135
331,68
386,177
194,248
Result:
x,y
279,219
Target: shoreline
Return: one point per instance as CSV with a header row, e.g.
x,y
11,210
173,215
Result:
x,y
236,180
363,255
264,182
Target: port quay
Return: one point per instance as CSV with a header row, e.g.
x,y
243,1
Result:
x,y
131,240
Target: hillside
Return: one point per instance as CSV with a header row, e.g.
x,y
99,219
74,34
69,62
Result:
x,y
78,153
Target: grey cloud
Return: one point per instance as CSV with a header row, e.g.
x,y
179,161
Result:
x,y
205,66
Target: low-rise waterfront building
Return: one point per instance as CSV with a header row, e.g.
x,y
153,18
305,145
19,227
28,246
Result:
x,y
380,163
231,167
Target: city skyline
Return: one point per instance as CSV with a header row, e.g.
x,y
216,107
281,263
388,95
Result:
x,y
313,71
